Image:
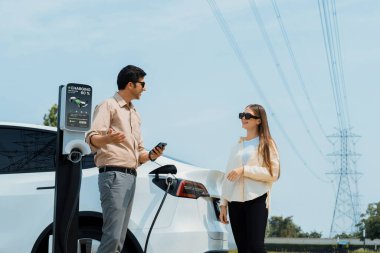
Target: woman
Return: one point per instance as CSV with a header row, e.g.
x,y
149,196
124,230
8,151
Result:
x,y
252,168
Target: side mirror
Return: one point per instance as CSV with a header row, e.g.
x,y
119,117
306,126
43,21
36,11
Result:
x,y
166,169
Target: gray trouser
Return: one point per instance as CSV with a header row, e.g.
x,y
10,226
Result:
x,y
117,190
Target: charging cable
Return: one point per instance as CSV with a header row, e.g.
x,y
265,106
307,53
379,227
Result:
x,y
73,210
169,182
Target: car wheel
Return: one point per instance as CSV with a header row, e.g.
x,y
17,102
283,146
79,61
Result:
x,y
89,240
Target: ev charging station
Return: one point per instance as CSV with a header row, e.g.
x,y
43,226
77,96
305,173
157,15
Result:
x,y
74,119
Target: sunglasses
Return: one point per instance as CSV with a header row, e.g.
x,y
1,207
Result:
x,y
247,115
142,84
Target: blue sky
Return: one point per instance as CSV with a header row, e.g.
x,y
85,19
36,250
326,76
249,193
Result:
x,y
196,86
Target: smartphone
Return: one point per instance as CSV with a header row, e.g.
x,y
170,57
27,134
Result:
x,y
161,145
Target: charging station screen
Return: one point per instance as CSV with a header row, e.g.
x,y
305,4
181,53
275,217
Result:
x,y
78,106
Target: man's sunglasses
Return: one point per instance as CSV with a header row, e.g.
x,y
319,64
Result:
x,y
247,115
142,84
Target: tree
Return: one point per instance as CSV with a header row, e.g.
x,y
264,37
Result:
x,y
51,119
280,227
315,234
370,221
345,235
285,227
312,234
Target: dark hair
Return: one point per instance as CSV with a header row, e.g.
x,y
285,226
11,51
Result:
x,y
128,74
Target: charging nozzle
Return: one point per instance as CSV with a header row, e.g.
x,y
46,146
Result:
x,y
75,156
169,180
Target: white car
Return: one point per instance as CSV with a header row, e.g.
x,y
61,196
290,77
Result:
x,y
27,162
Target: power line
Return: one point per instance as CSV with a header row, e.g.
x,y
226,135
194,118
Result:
x,y
333,53
295,65
324,22
276,61
343,82
235,47
346,210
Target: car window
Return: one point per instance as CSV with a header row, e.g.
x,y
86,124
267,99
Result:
x,y
24,150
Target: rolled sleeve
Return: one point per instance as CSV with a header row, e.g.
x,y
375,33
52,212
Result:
x,y
88,140
100,123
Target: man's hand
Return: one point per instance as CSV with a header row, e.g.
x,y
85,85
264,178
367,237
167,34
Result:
x,y
223,215
235,174
155,153
114,136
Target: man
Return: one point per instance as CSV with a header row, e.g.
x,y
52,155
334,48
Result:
x,y
115,136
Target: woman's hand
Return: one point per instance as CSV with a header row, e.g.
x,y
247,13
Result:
x,y
234,175
223,215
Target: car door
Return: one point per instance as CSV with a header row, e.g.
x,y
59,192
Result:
x,y
27,163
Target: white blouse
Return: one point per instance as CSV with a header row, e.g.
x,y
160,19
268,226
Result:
x,y
256,179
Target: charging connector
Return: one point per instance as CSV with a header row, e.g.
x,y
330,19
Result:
x,y
75,155
169,181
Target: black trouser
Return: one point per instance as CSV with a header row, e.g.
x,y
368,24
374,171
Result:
x,y
248,223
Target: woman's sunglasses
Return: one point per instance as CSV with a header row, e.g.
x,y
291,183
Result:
x,y
247,115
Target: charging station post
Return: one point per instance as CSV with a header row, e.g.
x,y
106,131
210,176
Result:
x,y
74,119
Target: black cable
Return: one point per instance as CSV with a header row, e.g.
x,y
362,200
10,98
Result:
x,y
169,182
73,210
